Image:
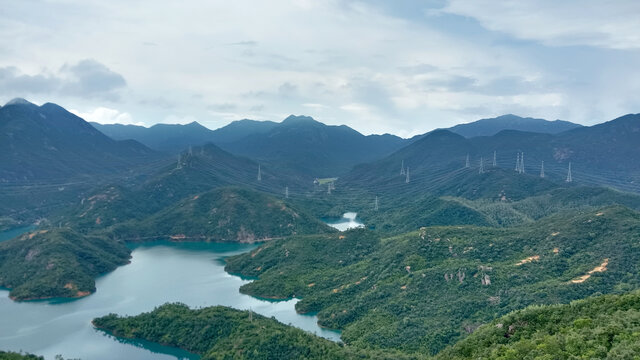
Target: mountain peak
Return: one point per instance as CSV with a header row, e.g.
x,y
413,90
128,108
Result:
x,y
298,119
18,101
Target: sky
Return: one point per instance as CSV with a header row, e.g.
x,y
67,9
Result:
x,y
401,67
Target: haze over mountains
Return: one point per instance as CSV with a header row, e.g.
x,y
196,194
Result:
x,y
492,126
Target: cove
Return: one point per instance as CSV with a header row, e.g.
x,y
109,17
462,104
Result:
x,y
160,272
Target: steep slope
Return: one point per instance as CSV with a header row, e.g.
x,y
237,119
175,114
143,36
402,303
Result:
x,y
174,138
224,214
57,263
601,327
423,290
492,126
48,142
310,147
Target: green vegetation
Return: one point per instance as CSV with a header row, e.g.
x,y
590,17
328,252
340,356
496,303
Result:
x,y
424,290
601,327
57,263
223,333
18,356
224,214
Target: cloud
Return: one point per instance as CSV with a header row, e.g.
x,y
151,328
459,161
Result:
x,y
378,66
103,115
13,81
244,43
86,79
90,78
558,23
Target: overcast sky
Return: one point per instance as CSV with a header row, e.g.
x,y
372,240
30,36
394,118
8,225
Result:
x,y
403,67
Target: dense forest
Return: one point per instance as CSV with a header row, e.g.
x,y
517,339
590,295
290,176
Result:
x,y
57,263
598,327
223,333
424,290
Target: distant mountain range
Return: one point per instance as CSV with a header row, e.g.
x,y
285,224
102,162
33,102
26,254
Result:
x,y
604,154
173,138
48,142
492,126
311,147
298,143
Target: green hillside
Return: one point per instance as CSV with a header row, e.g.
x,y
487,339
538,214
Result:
x,y
224,214
57,263
424,290
223,333
600,327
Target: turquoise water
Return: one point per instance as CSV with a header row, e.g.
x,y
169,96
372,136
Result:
x,y
10,234
191,273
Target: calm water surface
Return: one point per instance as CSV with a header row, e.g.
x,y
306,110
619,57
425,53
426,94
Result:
x,y
191,273
348,221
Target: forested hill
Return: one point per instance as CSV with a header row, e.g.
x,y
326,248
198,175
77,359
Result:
x,y
223,333
600,327
424,290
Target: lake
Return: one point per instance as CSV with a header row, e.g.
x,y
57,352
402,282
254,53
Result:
x,y
348,221
160,272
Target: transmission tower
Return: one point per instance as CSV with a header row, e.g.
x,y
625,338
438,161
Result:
x,y
522,163
179,166
466,164
518,162
375,207
286,192
542,169
481,170
402,168
259,173
329,188
569,178
407,179
190,150
495,163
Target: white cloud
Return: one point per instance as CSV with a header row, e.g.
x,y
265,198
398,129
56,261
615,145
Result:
x,y
103,115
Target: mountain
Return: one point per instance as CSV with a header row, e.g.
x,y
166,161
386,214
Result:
x,y
492,126
605,154
230,214
173,138
313,148
421,291
47,142
239,129
58,262
205,168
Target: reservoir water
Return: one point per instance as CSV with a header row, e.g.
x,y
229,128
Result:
x,y
348,221
160,272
